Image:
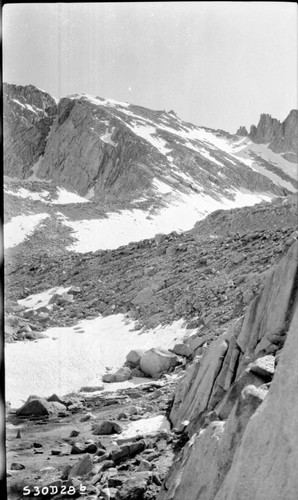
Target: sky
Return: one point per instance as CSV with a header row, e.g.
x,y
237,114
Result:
x,y
216,64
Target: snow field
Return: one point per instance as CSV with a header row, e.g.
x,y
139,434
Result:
x,y
77,356
127,226
20,227
66,197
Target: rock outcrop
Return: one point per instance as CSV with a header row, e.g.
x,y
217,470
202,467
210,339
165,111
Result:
x,y
281,137
230,454
28,114
242,131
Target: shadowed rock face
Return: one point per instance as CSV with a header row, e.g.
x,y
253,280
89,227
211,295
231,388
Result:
x,y
90,148
281,137
237,456
28,114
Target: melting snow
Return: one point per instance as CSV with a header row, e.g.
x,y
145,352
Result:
x,y
24,193
76,356
41,299
144,427
148,132
107,138
65,197
99,100
162,187
288,167
207,155
17,230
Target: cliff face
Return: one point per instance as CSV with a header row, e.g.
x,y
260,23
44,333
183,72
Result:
x,y
90,148
230,454
28,114
281,137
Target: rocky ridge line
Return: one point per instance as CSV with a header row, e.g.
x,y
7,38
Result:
x,y
282,137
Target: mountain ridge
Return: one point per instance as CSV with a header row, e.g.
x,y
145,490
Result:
x,y
120,140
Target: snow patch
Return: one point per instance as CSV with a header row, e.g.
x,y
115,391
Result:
x,y
25,193
145,427
40,299
65,197
148,132
207,155
107,138
20,227
162,187
134,225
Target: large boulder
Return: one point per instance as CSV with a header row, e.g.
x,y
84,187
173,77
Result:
x,y
81,468
133,358
106,427
119,376
156,361
39,407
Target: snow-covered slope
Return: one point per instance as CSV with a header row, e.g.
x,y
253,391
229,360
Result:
x,y
112,172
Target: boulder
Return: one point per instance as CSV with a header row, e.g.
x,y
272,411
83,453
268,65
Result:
x,y
150,271
144,297
81,468
264,367
134,357
160,238
182,350
39,407
134,487
156,361
119,376
106,427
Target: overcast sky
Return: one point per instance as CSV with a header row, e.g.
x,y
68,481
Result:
x,y
217,64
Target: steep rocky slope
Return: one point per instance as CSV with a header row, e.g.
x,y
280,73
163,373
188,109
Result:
x,y
241,424
28,114
208,275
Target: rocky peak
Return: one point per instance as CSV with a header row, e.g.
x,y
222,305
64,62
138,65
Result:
x,y
23,95
28,114
281,137
265,130
242,131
